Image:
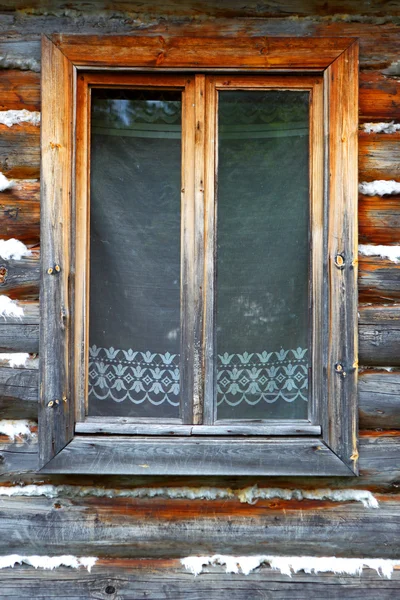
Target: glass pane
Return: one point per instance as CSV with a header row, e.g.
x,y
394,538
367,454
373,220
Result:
x,y
134,338
262,255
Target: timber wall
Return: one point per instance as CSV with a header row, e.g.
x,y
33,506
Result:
x,y
139,540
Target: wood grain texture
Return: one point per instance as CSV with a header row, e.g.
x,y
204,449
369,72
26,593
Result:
x,y
192,52
379,97
379,220
19,90
55,420
162,528
340,338
20,278
379,335
379,156
379,280
20,213
379,399
166,579
20,151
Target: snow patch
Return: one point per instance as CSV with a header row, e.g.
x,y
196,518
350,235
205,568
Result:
x,y
13,249
48,562
380,187
10,308
390,252
16,117
15,359
21,63
17,428
248,495
5,183
288,565
391,127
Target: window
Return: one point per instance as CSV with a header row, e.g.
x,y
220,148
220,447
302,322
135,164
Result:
x,y
199,256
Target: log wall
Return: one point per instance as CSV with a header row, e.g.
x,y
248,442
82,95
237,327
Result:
x,y
139,540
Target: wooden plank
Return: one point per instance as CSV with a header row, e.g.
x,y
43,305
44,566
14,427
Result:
x,y
20,151
379,97
19,90
167,579
20,278
172,528
379,220
19,392
203,456
379,328
22,189
379,399
192,52
56,419
379,280
340,335
379,156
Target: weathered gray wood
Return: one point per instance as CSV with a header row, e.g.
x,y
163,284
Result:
x,y
98,425
158,527
20,54
379,328
163,579
379,399
203,456
379,280
18,457
56,404
19,337
20,278
17,386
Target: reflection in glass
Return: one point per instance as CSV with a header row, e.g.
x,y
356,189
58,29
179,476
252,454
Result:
x,y
134,338
262,255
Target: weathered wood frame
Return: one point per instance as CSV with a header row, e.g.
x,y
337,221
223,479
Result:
x,y
335,452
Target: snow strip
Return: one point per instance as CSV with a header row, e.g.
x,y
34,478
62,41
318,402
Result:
x,y
10,308
16,117
13,249
5,183
15,359
22,63
48,562
391,127
248,495
288,565
390,252
17,428
380,187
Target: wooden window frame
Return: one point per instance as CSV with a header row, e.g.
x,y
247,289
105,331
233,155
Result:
x,y
70,444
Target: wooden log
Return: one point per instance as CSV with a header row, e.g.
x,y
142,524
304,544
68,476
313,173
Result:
x,y
22,54
18,393
379,220
379,98
378,280
379,399
379,334
20,278
19,90
166,579
20,151
22,189
20,219
161,527
379,156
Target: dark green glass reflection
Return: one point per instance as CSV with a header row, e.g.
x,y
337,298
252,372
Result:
x,y
135,183
262,255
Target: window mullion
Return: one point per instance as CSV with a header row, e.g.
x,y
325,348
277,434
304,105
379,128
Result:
x,y
210,142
